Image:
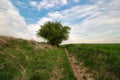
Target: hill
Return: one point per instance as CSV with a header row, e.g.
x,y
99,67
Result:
x,y
30,60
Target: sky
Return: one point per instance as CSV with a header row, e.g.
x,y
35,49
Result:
x,y
91,21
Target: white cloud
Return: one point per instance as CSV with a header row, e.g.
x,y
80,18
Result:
x,y
100,24
96,23
12,23
46,4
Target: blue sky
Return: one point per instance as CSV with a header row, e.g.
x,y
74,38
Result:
x,y
91,21
32,13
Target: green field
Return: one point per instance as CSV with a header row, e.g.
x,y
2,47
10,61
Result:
x,y
29,60
102,60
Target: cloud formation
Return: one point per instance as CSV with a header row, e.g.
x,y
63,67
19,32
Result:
x,y
90,23
48,3
13,24
100,21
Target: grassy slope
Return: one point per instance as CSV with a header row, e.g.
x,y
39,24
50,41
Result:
x,y
29,60
103,60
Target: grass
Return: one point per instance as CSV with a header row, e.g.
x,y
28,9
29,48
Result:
x,y
102,60
29,60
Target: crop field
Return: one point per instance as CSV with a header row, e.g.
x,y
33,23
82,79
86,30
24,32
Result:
x,y
101,60
29,60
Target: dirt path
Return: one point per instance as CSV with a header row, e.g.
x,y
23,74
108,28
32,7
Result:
x,y
75,67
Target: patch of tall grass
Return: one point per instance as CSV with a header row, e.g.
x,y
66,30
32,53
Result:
x,y
29,60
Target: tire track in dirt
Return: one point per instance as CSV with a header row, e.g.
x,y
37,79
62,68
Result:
x,y
75,67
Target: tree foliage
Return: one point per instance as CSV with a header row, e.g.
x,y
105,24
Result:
x,y
54,32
